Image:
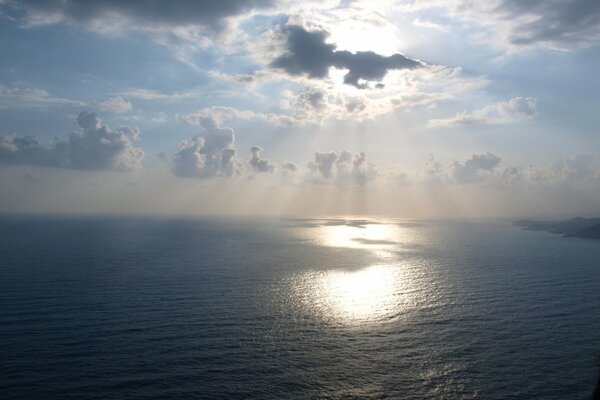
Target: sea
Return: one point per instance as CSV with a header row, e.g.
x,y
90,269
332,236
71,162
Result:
x,y
101,307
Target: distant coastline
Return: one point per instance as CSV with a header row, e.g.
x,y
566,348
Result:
x,y
584,228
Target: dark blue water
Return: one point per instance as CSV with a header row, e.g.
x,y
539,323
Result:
x,y
101,308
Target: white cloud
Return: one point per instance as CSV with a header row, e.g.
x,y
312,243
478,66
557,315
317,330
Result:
x,y
342,168
221,114
475,169
581,168
25,97
150,95
516,109
260,165
116,104
430,25
210,154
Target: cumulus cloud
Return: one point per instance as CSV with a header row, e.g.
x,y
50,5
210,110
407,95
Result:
x,y
290,166
307,53
354,168
578,168
97,147
116,104
341,168
474,169
210,154
581,168
433,171
513,110
260,165
316,105
323,163
485,169
310,104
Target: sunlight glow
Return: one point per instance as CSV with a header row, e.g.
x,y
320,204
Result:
x,y
377,238
369,294
374,294
365,294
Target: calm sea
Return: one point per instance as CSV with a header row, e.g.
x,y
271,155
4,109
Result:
x,y
133,308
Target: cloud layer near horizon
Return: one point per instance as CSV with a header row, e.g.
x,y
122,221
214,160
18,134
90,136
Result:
x,y
97,147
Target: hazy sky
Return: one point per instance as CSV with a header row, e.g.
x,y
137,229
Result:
x,y
414,108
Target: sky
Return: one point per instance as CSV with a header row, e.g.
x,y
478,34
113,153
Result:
x,y
404,108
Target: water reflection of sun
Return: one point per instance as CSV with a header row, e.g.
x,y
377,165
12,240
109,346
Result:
x,y
354,236
374,293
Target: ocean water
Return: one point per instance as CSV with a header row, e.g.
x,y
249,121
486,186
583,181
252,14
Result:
x,y
133,308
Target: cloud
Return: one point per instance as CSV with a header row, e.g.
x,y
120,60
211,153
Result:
x,y
290,166
517,24
307,53
316,105
210,154
551,23
208,14
116,104
474,169
24,97
354,168
97,147
221,114
430,25
150,95
323,163
310,104
577,168
260,165
484,169
432,173
342,168
516,109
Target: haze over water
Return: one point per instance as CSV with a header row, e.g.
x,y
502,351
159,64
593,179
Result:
x,y
248,308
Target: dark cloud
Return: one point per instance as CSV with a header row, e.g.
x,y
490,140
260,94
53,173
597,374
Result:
x,y
209,13
208,155
308,54
557,23
97,147
260,165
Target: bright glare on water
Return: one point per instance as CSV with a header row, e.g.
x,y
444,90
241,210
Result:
x,y
365,294
369,294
